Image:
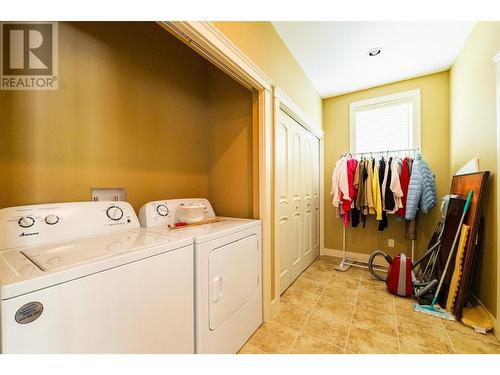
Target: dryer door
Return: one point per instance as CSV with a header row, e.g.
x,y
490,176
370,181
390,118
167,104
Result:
x,y
234,277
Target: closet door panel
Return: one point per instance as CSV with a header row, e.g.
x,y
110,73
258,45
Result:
x,y
307,194
296,245
315,197
296,165
282,166
285,261
297,197
307,229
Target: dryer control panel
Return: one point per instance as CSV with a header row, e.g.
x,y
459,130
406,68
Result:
x,y
45,223
166,212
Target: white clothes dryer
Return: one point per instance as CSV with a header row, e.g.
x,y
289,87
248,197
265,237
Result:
x,y
227,269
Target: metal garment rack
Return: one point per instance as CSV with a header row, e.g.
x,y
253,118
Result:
x,y
346,262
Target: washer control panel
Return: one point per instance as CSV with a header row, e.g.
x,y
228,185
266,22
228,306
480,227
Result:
x,y
44,223
164,213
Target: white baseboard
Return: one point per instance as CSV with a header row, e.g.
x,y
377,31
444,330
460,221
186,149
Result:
x,y
354,255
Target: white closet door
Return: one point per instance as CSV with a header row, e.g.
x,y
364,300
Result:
x,y
284,204
297,194
296,231
307,193
315,197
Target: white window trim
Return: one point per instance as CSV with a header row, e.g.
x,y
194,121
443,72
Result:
x,y
411,96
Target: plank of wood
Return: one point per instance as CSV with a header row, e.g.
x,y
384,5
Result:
x,y
462,185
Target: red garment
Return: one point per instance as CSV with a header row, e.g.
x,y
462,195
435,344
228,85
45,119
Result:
x,y
347,204
404,180
351,173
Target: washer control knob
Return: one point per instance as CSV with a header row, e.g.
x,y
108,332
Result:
x,y
162,210
26,221
114,213
51,219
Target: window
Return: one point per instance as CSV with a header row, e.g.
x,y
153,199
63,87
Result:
x,y
389,122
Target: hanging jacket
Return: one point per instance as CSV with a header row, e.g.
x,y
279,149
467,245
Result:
x,y
347,199
395,186
358,184
383,173
388,194
377,199
369,184
404,180
365,210
340,185
421,189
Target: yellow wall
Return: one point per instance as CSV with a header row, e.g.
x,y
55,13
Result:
x,y
262,44
473,134
230,140
132,110
435,150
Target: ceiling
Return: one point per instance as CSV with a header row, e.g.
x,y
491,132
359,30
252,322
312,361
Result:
x,y
334,55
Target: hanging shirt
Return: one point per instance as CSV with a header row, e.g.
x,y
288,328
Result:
x,y
348,199
369,183
382,171
404,182
344,181
352,165
395,186
336,181
377,199
364,203
388,194
358,184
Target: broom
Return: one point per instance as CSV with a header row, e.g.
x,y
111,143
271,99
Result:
x,y
433,309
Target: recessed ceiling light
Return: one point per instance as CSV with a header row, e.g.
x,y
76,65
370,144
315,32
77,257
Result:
x,y
374,51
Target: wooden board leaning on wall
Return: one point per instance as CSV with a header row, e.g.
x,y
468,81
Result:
x,y
462,185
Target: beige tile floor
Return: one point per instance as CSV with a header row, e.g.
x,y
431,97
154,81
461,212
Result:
x,y
327,311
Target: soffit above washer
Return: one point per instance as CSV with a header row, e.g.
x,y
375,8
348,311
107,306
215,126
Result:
x,y
334,55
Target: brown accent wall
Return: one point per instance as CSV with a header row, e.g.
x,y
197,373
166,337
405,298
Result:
x,y
132,110
230,140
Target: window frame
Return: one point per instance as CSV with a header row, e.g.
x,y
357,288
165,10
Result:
x,y
411,96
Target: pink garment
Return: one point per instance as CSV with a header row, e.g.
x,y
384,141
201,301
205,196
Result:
x,y
351,172
347,200
395,186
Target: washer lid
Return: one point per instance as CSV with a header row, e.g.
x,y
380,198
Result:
x,y
24,270
212,231
56,256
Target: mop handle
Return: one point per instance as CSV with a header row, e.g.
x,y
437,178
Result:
x,y
466,208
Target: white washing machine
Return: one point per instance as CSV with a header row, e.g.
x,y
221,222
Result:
x,y
228,274
85,278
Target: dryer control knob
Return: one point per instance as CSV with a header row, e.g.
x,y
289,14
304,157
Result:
x,y
114,213
162,210
51,219
26,221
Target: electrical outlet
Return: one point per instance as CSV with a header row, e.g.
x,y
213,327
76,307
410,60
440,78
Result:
x,y
390,242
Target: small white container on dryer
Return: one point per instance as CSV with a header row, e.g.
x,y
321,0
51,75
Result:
x,y
192,213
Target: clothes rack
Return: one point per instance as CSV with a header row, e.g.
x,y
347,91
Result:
x,y
346,262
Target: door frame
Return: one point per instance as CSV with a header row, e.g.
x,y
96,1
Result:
x,y
496,60
283,102
212,44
